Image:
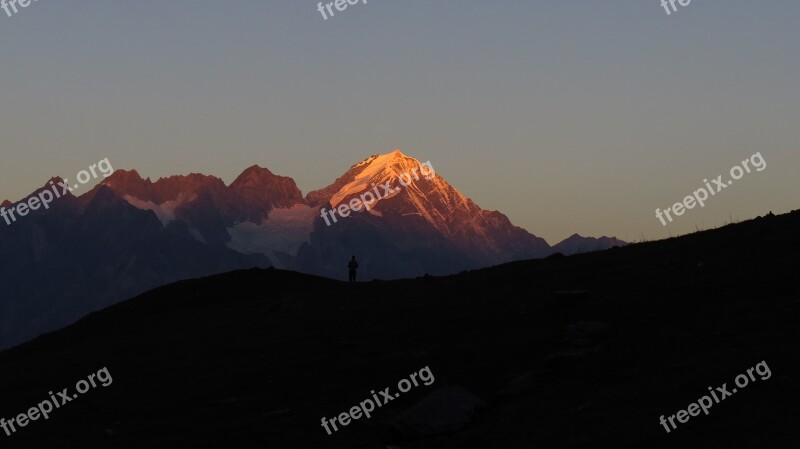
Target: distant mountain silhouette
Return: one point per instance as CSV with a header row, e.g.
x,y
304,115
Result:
x,y
84,254
579,351
575,244
129,234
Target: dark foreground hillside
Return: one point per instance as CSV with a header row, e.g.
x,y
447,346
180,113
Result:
x,y
568,352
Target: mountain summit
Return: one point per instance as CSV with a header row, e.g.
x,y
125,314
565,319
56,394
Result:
x,y
258,190
431,205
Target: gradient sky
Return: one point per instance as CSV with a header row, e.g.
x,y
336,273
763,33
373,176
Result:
x,y
566,115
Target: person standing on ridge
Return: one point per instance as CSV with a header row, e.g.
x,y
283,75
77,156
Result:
x,y
353,266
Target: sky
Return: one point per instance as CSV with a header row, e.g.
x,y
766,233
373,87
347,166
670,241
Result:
x,y
569,116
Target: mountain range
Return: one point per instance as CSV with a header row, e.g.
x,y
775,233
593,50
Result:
x,y
563,352
128,235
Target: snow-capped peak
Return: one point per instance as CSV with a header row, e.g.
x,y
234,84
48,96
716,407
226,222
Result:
x,y
380,169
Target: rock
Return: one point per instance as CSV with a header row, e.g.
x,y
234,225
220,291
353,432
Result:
x,y
583,329
445,410
519,385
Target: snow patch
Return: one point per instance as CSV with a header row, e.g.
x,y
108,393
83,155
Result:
x,y
380,169
164,211
284,230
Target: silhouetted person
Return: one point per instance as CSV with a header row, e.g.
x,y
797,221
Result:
x,y
353,266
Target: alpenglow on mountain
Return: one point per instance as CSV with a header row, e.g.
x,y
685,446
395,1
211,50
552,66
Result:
x,y
427,227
